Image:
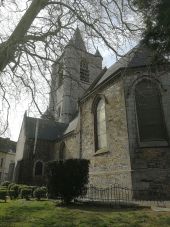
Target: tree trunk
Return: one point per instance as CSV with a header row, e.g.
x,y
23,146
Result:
x,y
8,48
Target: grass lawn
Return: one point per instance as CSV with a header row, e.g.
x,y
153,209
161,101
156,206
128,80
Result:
x,y
21,213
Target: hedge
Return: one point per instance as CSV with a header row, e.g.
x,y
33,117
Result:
x,y
40,192
26,193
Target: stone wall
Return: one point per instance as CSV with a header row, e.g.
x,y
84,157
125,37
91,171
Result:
x,y
72,146
111,165
150,163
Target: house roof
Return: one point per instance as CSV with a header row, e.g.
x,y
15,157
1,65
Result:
x,y
47,129
7,145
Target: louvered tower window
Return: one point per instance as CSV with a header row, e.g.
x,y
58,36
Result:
x,y
84,72
149,112
60,74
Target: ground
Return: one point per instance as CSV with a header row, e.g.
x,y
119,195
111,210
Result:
x,y
21,213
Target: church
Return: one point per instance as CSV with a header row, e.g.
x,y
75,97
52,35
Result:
x,y
118,118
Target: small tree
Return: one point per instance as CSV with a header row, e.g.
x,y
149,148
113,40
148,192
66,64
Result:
x,y
67,179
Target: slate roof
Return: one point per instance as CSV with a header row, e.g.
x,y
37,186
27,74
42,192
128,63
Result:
x,y
139,56
72,125
47,129
7,145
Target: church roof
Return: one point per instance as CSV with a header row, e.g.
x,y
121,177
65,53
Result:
x,y
77,40
72,125
139,56
47,129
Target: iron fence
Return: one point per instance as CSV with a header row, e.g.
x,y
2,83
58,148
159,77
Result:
x,y
122,195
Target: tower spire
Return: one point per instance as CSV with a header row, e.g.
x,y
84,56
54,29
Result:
x,y
77,40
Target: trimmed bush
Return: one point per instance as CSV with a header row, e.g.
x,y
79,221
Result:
x,y
12,194
10,185
40,192
5,183
26,193
67,180
15,189
33,188
3,194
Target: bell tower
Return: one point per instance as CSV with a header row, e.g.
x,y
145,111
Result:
x,y
71,77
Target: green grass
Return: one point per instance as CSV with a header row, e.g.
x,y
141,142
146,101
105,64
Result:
x,y
21,213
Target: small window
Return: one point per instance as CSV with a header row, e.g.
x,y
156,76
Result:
x,y
39,168
84,72
100,125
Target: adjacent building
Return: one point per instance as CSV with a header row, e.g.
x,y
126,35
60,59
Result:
x,y
7,159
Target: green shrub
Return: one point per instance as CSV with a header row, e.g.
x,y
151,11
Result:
x,y
21,186
11,194
5,183
33,188
10,185
26,193
3,194
15,189
67,180
40,192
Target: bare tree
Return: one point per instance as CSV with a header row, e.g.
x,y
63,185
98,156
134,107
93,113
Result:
x,y
43,30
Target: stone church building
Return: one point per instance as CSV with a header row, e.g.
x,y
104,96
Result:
x,y
118,118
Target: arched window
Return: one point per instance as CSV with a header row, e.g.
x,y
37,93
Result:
x,y
100,125
62,152
38,168
149,112
84,72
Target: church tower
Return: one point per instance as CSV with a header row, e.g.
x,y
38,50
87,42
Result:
x,y
72,74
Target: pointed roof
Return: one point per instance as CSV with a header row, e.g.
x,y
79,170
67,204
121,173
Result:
x,y
98,54
77,40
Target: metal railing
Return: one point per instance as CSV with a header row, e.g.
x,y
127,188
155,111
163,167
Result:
x,y
122,195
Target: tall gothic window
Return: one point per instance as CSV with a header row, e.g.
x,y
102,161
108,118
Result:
x,y
84,72
39,168
100,125
149,112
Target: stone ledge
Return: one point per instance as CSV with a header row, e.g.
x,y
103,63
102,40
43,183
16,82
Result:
x,y
101,151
